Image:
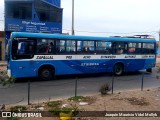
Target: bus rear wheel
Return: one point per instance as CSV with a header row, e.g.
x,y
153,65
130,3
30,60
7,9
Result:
x,y
118,69
46,74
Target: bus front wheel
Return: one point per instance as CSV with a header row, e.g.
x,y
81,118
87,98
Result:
x,y
46,74
118,69
149,70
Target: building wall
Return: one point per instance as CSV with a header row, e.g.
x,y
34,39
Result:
x,y
2,40
36,16
55,2
33,16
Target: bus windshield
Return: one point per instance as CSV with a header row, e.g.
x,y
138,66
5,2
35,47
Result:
x,y
23,49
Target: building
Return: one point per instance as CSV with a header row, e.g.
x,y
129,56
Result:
x,y
32,16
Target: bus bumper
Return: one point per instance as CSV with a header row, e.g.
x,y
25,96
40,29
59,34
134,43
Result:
x,y
9,73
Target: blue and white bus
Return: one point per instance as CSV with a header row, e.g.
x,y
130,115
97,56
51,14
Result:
x,y
47,55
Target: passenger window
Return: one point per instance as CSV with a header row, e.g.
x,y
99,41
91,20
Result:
x,y
119,47
134,48
45,46
61,46
85,47
148,48
79,47
103,47
88,47
70,46
66,46
131,48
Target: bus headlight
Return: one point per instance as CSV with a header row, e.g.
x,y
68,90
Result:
x,y
9,73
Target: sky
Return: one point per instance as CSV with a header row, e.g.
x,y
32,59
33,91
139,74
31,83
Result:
x,y
108,17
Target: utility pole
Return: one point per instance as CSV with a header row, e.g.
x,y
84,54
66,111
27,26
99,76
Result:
x,y
72,17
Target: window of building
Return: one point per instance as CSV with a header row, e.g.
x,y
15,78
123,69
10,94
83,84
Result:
x,y
47,12
18,10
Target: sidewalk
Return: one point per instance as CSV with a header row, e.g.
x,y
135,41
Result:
x,y
158,60
4,63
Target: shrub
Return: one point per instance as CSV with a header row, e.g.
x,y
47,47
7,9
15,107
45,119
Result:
x,y
7,80
105,88
56,111
11,118
76,98
18,108
54,103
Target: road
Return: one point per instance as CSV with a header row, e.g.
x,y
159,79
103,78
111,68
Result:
x,y
64,87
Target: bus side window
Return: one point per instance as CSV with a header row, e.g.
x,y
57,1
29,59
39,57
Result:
x,y
88,47
51,48
85,49
132,48
148,48
103,47
119,47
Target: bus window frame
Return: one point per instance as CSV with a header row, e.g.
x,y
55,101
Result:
x,y
107,51
145,50
15,55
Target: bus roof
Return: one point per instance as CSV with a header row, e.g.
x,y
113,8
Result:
x,y
74,37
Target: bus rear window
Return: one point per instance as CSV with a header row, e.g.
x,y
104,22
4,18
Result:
x,y
148,48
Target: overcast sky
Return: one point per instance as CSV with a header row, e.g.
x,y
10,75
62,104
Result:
x,y
109,17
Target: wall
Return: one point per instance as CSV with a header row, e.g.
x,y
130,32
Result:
x,y
55,2
2,40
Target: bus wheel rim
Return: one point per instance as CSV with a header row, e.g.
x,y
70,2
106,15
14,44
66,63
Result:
x,y
118,69
45,73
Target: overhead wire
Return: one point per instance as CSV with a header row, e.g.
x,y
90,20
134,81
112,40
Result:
x,y
102,32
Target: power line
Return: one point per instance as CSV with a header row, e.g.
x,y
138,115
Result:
x,y
153,32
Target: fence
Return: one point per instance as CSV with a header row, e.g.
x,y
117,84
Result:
x,y
32,91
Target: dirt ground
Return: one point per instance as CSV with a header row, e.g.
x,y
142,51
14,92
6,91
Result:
x,y
146,100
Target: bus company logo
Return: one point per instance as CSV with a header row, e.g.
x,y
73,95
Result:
x,y
45,57
6,114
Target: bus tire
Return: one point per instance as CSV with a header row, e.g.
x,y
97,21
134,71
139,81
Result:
x,y
118,69
46,73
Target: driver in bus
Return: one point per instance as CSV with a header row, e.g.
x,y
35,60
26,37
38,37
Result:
x,y
30,49
51,48
86,49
